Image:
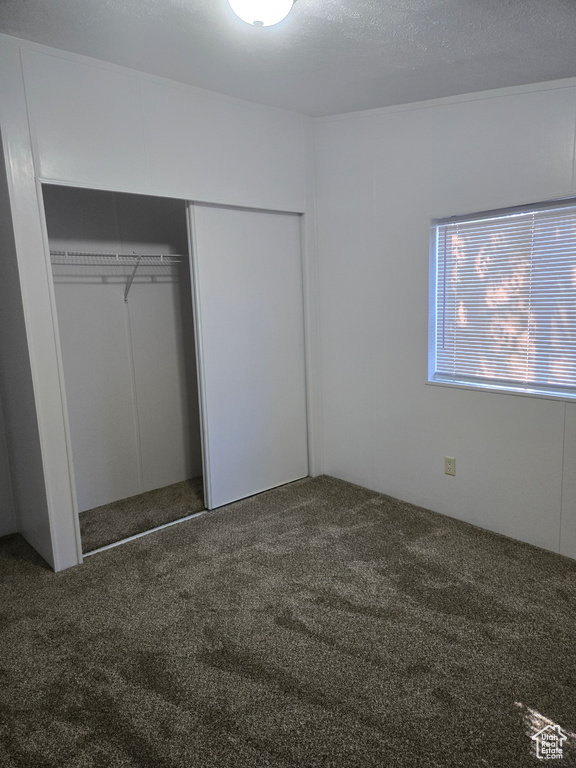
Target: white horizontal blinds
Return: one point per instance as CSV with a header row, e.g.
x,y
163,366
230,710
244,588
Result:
x,y
506,300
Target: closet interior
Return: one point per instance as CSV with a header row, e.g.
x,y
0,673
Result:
x,y
121,274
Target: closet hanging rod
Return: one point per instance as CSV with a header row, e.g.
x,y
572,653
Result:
x,y
114,259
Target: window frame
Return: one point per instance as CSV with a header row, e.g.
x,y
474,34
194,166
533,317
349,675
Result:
x,y
507,387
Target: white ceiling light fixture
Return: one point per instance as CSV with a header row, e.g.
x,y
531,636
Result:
x,y
261,13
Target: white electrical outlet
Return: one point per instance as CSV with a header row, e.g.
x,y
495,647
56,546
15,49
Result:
x,y
449,465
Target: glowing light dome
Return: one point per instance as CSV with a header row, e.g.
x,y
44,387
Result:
x,y
261,13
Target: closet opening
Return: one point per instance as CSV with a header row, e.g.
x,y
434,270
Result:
x,y
123,300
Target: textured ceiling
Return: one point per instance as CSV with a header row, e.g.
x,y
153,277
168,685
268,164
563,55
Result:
x,y
327,56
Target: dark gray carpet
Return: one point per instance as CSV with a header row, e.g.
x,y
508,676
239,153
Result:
x,y
120,519
318,624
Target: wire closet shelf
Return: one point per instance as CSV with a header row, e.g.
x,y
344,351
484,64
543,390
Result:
x,y
134,260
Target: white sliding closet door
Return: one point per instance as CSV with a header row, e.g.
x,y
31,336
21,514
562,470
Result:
x,y
250,338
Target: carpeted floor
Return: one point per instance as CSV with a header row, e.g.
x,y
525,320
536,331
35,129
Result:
x,y
120,519
318,624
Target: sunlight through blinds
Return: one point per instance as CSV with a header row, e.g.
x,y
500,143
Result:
x,y
506,301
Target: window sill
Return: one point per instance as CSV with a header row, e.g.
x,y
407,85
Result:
x,y
539,394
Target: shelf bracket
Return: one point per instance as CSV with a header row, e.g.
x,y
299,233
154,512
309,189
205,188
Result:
x,y
131,278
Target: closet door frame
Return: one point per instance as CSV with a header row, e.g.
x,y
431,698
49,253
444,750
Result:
x,y
199,351
59,361
59,474
70,482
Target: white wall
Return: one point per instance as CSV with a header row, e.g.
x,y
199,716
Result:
x,y
77,121
129,367
381,177
107,127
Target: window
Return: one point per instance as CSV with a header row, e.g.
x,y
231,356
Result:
x,y
504,300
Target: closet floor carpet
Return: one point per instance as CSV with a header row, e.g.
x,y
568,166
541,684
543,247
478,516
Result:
x,y
120,519
318,625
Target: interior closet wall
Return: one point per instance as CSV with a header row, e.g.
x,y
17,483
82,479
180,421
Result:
x,y
129,367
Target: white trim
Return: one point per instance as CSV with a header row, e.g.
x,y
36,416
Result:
x,y
563,480
457,213
495,93
145,533
307,305
311,286
199,349
493,388
60,365
573,184
151,192
23,198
